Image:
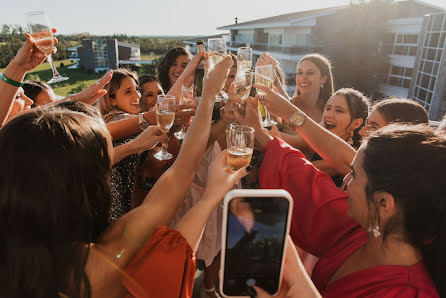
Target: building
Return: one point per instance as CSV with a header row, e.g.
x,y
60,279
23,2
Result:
x,y
103,54
414,47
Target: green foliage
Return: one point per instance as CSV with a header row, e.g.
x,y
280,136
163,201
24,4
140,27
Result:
x,y
81,86
358,61
12,38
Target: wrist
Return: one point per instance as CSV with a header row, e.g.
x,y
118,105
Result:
x,y
263,138
14,72
150,117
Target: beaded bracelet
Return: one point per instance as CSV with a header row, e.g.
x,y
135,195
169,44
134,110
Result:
x,y
10,81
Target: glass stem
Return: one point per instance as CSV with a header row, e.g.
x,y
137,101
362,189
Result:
x,y
165,144
53,67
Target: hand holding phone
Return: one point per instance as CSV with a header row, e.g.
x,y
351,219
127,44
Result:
x,y
255,226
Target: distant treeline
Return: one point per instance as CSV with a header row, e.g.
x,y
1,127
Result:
x,y
13,36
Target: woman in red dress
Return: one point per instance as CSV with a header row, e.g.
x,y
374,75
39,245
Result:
x,y
385,237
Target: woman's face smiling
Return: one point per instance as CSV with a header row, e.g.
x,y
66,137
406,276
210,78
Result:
x,y
149,96
337,117
177,68
309,78
127,97
374,122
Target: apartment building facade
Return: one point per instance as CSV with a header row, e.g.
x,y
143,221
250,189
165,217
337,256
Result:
x,y
103,54
414,47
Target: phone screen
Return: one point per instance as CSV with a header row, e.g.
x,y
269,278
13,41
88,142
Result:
x,y
255,235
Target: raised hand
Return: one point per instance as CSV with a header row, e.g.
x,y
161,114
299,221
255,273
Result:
x,y
221,178
183,113
91,94
214,78
29,56
146,140
276,104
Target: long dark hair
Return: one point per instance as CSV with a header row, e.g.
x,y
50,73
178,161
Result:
x,y
325,67
408,163
162,69
359,106
54,201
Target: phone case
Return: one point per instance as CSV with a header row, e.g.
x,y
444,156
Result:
x,y
252,193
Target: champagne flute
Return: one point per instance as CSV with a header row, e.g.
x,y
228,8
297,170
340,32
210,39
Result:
x,y
165,115
243,83
264,75
244,58
186,98
216,51
40,29
240,146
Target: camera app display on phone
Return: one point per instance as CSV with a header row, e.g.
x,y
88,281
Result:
x,y
256,231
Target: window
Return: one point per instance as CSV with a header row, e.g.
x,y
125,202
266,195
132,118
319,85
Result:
x,y
398,76
275,39
410,38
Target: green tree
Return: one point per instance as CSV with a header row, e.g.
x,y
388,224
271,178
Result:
x,y
357,61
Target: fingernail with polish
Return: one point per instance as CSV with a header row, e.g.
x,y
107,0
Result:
x,y
248,168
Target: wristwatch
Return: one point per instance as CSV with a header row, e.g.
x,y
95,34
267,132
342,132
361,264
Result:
x,y
142,122
297,119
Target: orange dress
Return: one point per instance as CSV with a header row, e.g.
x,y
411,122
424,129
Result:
x,y
164,267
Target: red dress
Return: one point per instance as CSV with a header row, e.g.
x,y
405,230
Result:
x,y
164,267
321,227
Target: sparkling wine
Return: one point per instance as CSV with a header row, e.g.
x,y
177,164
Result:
x,y
214,58
260,79
44,41
165,119
238,157
244,65
242,92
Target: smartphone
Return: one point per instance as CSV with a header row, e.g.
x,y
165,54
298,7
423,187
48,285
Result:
x,y
256,223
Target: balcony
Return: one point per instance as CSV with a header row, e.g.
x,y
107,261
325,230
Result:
x,y
284,49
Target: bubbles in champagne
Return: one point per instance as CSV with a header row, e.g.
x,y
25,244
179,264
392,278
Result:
x,y
267,82
44,41
244,65
165,119
214,58
238,157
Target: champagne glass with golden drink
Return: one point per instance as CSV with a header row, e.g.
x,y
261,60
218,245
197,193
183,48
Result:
x,y
216,51
40,29
264,75
244,58
165,115
240,146
187,99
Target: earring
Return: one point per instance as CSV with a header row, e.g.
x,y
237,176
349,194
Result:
x,y
375,231
350,138
322,85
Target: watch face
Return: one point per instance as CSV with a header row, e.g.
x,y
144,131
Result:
x,y
297,119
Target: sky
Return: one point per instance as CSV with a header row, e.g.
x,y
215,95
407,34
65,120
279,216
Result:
x,y
156,17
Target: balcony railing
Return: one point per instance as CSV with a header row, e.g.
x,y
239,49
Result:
x,y
265,47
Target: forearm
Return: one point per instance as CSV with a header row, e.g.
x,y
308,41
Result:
x,y
194,221
7,91
335,151
217,130
125,128
122,151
